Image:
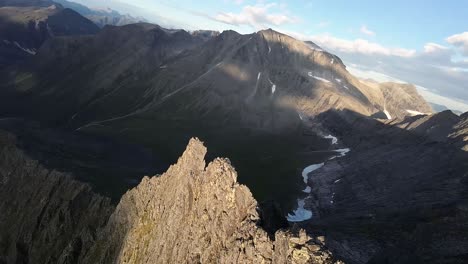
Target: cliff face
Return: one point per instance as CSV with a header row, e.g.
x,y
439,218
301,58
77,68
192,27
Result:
x,y
196,214
46,216
190,214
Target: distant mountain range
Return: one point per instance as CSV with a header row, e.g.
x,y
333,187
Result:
x,y
102,17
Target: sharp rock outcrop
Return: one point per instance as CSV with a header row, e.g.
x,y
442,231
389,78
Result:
x,y
196,214
191,214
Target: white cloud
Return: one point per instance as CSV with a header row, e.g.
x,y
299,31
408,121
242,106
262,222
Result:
x,y
434,48
359,46
460,40
367,31
257,16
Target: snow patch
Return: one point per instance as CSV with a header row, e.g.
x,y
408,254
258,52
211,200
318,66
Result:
x,y
269,49
30,51
415,113
310,169
342,152
300,116
338,80
387,114
332,60
346,87
273,89
318,78
163,67
334,139
254,92
300,214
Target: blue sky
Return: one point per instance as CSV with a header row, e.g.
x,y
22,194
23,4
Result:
x,y
422,42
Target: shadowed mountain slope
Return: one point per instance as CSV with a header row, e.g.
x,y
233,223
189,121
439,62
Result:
x,y
399,196
163,220
25,25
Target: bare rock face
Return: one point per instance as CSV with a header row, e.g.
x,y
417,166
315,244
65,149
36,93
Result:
x,y
45,215
196,214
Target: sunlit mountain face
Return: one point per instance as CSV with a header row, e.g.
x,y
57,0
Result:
x,y
122,134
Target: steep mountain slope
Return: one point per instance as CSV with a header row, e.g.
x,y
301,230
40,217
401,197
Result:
x,y
111,167
112,68
398,100
47,217
163,220
261,79
402,193
248,96
26,24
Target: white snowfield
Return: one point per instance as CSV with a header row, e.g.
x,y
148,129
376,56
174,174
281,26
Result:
x,y
301,115
334,139
415,113
387,114
254,92
310,169
342,152
30,51
301,213
273,86
318,78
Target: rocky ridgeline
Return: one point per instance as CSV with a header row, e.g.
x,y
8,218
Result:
x,y
190,214
45,216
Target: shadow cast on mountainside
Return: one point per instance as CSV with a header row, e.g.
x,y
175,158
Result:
x,y
233,109
112,167
229,102
395,192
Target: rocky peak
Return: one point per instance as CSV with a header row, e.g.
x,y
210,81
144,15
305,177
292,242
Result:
x,y
196,214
